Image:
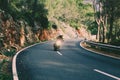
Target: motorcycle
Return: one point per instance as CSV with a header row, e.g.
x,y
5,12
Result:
x,y
58,43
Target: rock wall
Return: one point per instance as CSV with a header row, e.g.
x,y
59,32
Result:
x,y
17,34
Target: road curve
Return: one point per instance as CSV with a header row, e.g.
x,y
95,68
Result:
x,y
72,62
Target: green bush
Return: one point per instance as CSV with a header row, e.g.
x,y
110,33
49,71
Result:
x,y
5,70
10,52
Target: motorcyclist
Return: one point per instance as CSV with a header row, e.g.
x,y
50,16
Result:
x,y
58,42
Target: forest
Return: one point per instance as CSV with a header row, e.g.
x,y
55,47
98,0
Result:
x,y
107,19
25,22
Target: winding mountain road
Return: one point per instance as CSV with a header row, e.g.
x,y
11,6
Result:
x,y
72,62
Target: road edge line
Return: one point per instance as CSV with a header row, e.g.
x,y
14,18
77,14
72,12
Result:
x,y
14,69
99,52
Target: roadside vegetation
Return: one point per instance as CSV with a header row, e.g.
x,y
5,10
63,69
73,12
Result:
x,y
25,22
107,19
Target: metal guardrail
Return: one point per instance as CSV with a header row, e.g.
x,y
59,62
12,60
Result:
x,y
100,45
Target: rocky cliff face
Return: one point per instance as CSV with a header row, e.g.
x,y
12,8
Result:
x,y
9,33
17,34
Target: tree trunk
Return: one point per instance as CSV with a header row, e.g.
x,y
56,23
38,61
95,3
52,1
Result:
x,y
104,33
104,24
111,29
98,32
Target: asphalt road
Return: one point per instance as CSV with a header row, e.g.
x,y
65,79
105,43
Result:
x,y
72,62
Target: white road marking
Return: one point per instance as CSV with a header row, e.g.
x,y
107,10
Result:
x,y
104,73
59,53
